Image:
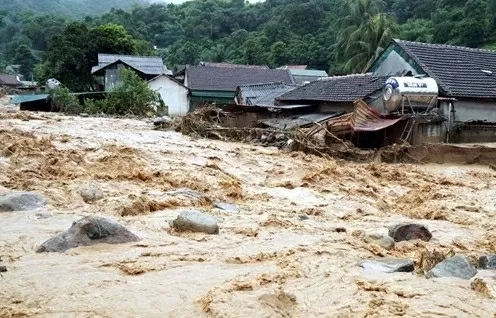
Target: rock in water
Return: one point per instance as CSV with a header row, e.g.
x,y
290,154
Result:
x,y
384,241
90,192
456,266
388,265
3,269
161,121
196,222
21,201
487,262
88,231
229,207
409,232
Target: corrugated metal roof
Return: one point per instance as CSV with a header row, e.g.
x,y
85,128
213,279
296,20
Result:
x,y
149,65
18,99
262,94
298,120
312,73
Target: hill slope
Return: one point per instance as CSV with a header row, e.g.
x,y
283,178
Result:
x,y
69,8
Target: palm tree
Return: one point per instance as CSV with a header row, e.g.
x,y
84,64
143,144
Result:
x,y
365,32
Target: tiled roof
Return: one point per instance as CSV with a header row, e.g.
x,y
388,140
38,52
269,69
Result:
x,y
459,71
228,79
230,65
10,80
149,65
346,88
262,94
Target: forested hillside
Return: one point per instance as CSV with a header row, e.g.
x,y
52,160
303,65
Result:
x,y
335,35
69,8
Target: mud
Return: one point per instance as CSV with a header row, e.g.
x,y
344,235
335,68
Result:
x,y
267,261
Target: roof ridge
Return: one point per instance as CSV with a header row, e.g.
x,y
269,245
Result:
x,y
438,45
127,55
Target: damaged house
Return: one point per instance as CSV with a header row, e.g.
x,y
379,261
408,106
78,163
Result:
x,y
466,80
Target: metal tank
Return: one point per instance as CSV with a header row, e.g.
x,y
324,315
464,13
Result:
x,y
409,93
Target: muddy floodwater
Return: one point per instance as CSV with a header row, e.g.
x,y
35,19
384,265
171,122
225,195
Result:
x,y
291,250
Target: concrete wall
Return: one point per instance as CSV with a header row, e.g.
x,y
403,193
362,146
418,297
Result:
x,y
393,64
174,95
471,110
474,134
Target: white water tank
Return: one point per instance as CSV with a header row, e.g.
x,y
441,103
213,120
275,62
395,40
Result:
x,y
415,92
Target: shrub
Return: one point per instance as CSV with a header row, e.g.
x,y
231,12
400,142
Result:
x,y
63,100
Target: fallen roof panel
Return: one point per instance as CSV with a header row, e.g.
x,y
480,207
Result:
x,y
297,120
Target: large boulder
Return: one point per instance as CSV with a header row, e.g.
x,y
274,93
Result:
x,y
88,231
388,265
456,266
90,192
21,201
409,232
195,221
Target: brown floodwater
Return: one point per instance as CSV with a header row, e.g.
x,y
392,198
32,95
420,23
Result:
x,y
291,251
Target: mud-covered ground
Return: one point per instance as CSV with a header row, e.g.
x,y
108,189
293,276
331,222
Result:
x,y
290,252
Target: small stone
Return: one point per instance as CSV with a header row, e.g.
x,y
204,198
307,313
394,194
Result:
x,y
487,262
21,201
484,285
384,241
456,266
229,207
90,192
44,215
195,221
89,230
3,269
303,217
409,232
388,265
160,121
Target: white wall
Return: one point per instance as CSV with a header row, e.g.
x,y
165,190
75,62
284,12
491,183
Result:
x,y
174,95
466,110
393,64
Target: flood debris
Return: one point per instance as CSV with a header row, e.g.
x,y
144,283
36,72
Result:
x,y
484,284
487,262
195,221
409,232
456,266
90,192
87,231
384,241
228,207
388,265
21,201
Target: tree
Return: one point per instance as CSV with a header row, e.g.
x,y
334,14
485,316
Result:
x,y
278,54
365,32
26,60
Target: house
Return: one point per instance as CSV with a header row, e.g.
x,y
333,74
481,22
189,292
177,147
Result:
x,y
174,94
261,94
336,93
10,81
147,67
466,78
218,84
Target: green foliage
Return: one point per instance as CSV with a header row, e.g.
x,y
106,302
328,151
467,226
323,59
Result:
x,y
26,60
63,100
335,35
132,96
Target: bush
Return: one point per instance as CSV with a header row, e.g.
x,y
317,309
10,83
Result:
x,y
63,100
133,96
